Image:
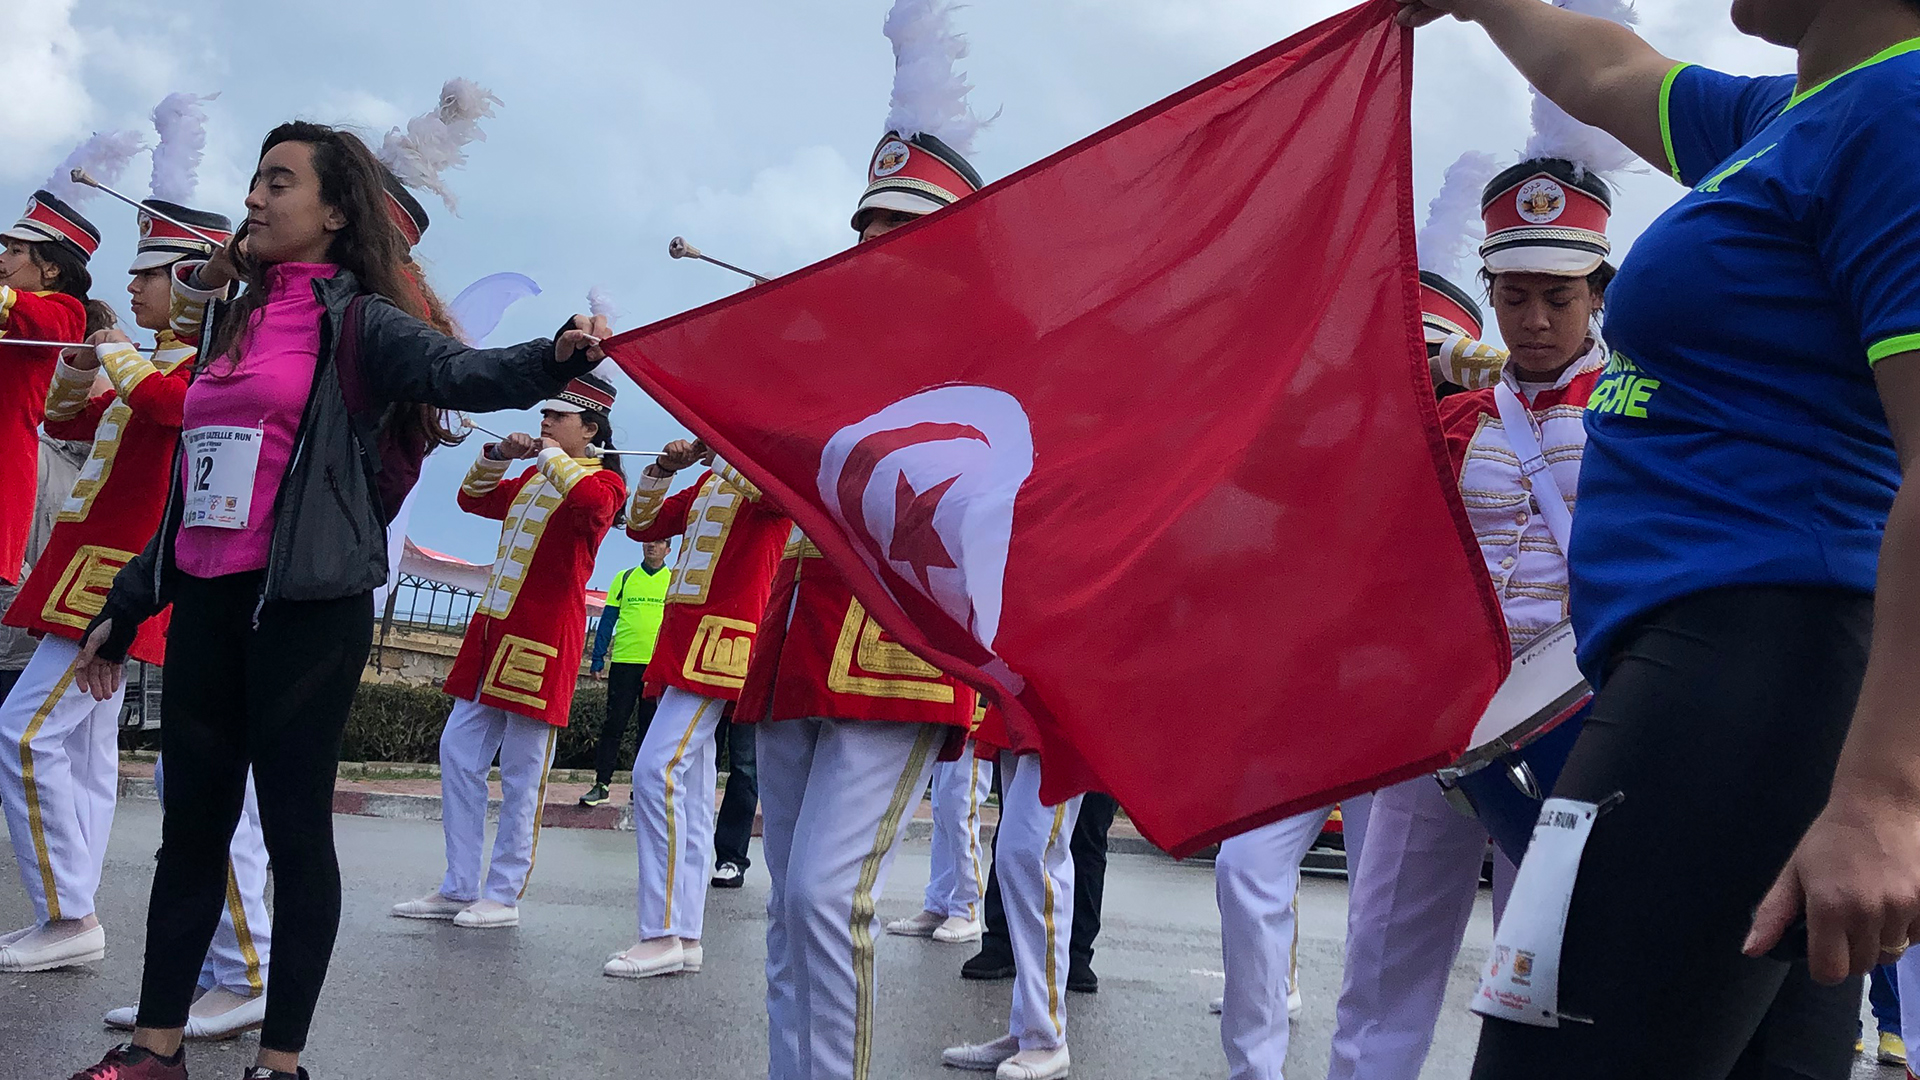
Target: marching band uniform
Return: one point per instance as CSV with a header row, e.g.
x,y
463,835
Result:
x,y
956,876
730,544
1421,871
514,678
59,751
852,724
1035,873
38,316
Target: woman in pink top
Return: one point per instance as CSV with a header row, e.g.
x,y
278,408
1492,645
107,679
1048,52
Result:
x,y
302,435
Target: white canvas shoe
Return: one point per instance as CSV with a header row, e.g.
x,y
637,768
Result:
x,y
45,950
958,930
1295,1002
487,915
647,960
122,1019
980,1057
924,924
430,906
223,1014
695,956
1036,1065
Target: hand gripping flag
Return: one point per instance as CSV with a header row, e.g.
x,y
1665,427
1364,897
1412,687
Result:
x,y
1141,442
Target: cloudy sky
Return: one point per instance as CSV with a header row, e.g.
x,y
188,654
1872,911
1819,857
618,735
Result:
x,y
742,125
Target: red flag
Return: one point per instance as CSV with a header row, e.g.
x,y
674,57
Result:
x,y
1141,440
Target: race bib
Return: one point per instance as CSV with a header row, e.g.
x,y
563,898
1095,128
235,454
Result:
x,y
1521,981
221,463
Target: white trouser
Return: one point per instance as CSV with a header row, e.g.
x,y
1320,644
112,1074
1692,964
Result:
x,y
237,960
1408,910
957,877
836,797
1907,978
1255,879
474,734
674,775
1032,857
59,776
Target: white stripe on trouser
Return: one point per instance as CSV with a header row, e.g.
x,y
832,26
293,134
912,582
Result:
x,y
1256,876
59,776
674,776
474,734
836,797
1031,855
958,873
1407,912
238,958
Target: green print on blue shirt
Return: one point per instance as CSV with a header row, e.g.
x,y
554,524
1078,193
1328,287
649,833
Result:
x,y
1622,389
1712,187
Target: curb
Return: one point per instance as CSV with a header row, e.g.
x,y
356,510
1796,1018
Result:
x,y
395,807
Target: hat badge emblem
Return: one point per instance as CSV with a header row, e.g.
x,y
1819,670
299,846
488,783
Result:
x,y
891,158
1541,201
146,225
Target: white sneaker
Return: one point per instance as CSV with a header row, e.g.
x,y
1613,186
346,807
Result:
x,y
647,960
1036,1065
958,930
1219,1005
925,924
981,1057
1295,1002
487,915
695,956
223,1014
430,906
123,1019
45,949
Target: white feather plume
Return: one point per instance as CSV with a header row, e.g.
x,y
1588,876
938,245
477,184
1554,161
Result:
x,y
105,156
599,303
1454,225
182,125
929,89
1557,135
435,141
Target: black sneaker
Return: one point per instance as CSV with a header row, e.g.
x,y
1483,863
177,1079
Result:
x,y
988,965
595,796
728,876
1080,977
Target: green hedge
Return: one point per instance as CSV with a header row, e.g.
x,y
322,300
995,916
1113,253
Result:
x,y
403,723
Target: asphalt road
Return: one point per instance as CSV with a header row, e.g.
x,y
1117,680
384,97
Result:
x,y
428,1000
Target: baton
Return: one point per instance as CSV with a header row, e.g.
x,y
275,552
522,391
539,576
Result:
x,y
678,248
80,177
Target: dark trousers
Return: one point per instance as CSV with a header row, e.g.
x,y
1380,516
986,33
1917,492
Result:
x,y
625,682
274,698
1721,724
734,829
1883,995
1089,850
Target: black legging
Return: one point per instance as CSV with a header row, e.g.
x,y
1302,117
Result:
x,y
624,685
1721,722
275,698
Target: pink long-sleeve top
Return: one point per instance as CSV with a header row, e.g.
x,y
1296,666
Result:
x,y
265,390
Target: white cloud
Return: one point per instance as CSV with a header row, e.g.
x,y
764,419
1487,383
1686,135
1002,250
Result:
x,y
45,108
789,214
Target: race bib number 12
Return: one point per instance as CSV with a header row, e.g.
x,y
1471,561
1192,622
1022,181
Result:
x,y
221,463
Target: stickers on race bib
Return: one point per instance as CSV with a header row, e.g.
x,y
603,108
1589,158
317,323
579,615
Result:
x,y
221,463
1521,981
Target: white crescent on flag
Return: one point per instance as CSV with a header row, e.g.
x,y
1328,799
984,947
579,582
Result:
x,y
926,489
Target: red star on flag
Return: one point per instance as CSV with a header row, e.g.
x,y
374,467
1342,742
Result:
x,y
915,542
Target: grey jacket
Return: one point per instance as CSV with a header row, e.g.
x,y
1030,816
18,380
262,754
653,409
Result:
x,y
329,529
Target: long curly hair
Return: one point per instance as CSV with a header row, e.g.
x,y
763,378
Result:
x,y
369,245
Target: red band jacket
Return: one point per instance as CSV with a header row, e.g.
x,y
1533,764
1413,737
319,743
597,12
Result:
x,y
523,648
116,504
730,544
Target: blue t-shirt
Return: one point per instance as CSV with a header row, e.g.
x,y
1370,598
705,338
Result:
x,y
1737,437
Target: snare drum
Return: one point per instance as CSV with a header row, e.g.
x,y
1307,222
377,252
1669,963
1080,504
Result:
x,y
1522,742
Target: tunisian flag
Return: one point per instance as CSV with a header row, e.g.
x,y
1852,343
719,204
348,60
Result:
x,y
1141,441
